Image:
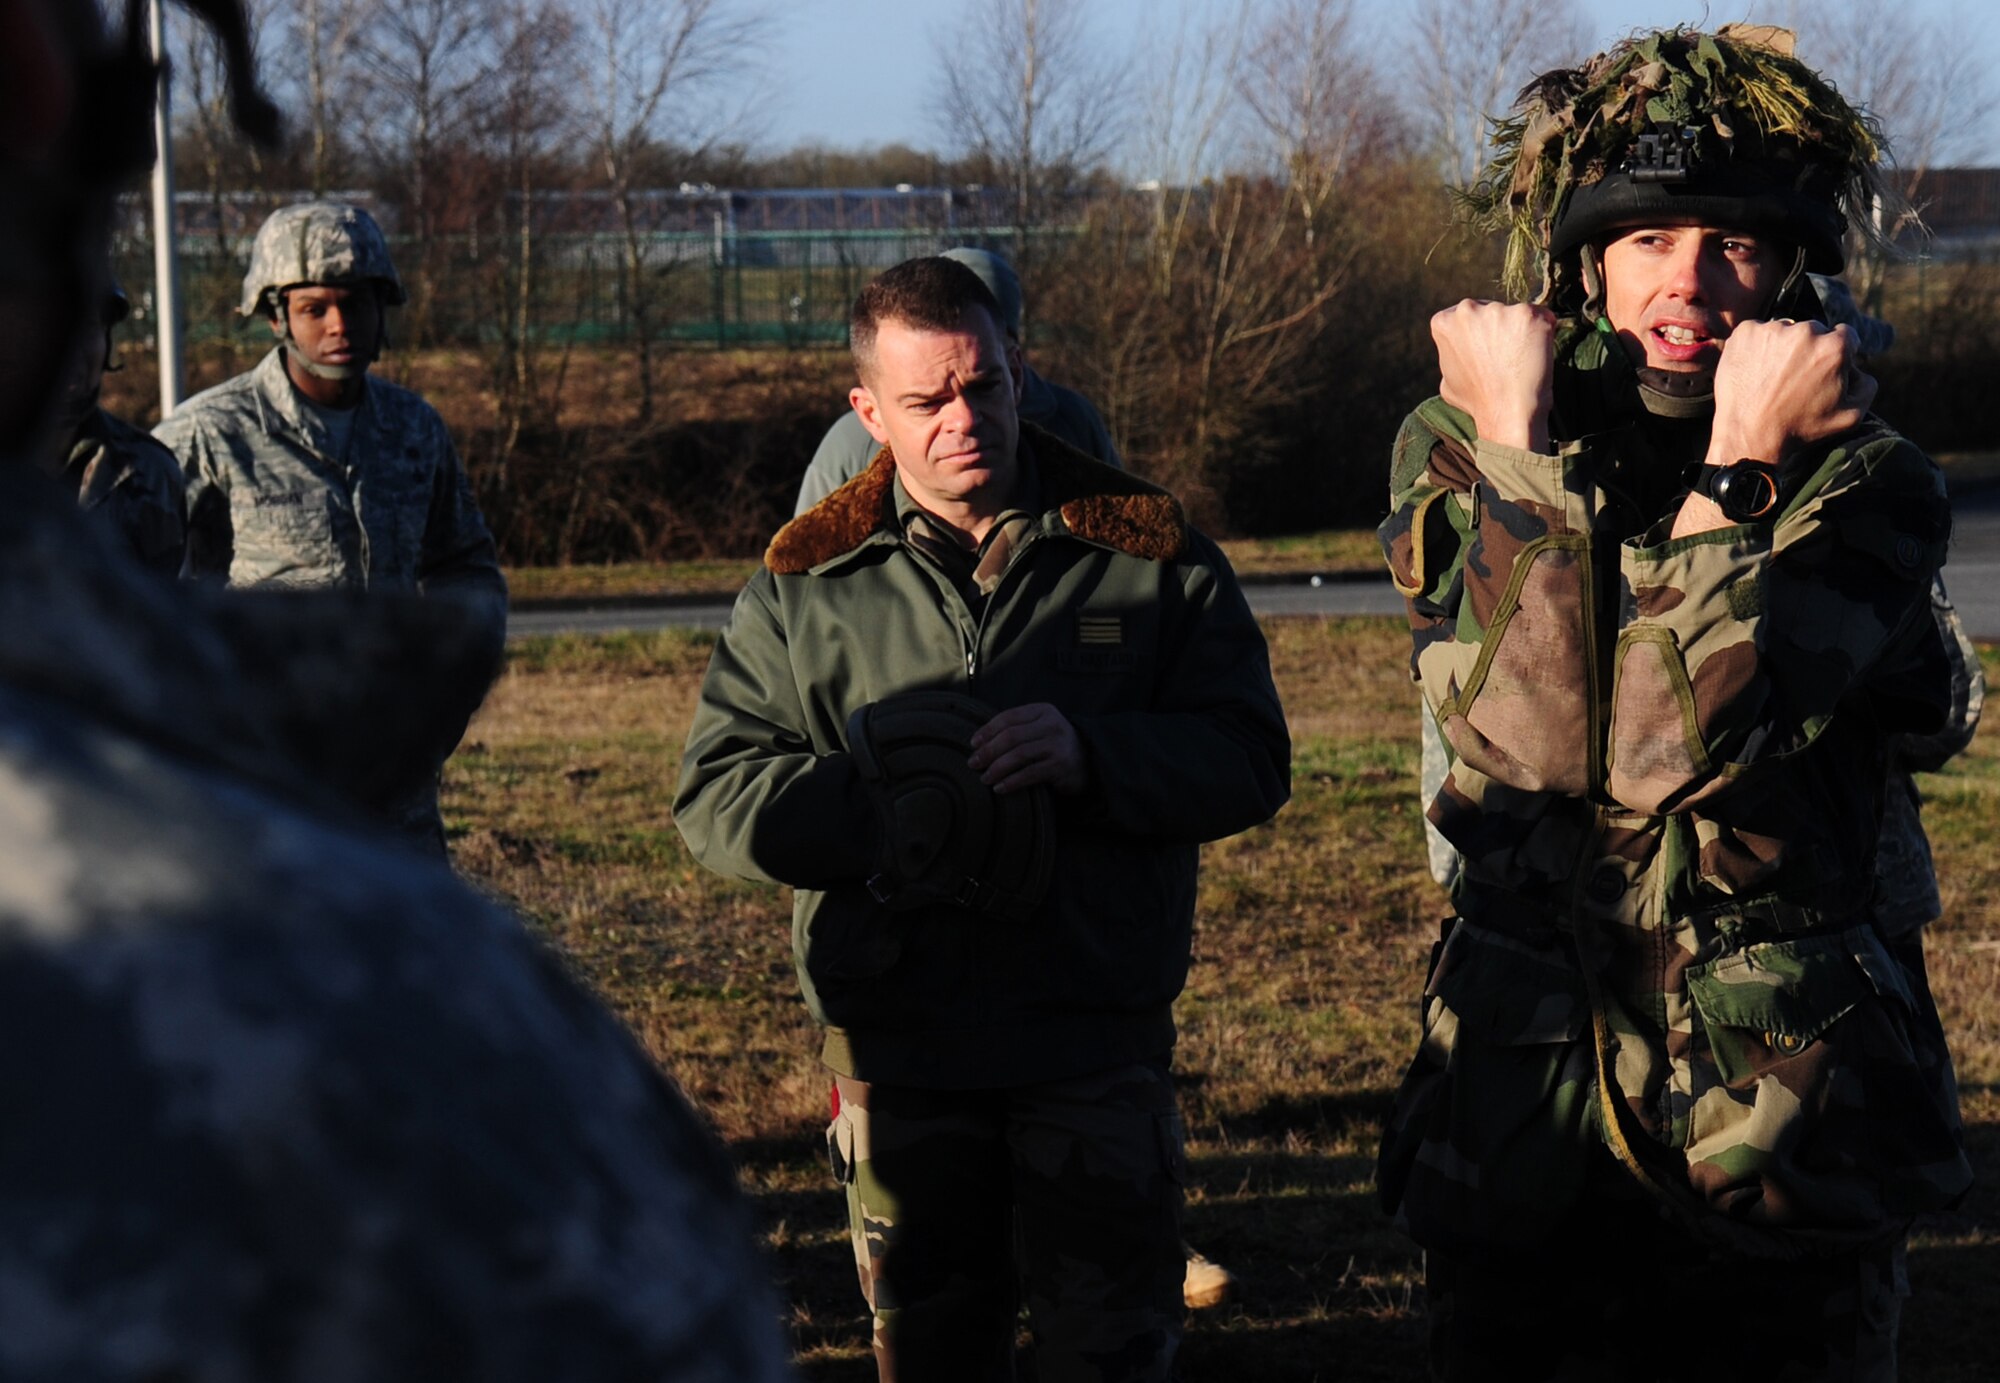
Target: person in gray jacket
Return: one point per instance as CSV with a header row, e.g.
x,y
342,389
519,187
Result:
x,y
847,449
308,472
125,480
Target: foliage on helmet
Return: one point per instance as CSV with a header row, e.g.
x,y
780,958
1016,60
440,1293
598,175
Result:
x,y
1740,89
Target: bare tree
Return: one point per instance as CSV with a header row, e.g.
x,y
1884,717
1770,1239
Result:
x,y
1926,83
1024,90
1467,59
227,161
428,64
529,118
655,65
326,33
1316,95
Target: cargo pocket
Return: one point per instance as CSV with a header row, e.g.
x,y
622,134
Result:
x,y
1493,1127
840,1148
846,1145
1812,1107
1524,716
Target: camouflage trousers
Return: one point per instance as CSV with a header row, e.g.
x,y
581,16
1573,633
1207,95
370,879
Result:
x,y
963,1202
1623,1294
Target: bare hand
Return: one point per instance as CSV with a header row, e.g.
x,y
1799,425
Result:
x,y
1027,745
1497,362
1779,385
1782,384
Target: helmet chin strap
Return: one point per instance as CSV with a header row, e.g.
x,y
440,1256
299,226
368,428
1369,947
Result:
x,y
1590,266
337,373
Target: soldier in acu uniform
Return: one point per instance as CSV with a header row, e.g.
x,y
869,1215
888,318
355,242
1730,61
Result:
x,y
127,481
1670,590
284,1102
307,471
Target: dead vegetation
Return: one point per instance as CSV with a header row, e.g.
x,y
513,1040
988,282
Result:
x,y
1310,945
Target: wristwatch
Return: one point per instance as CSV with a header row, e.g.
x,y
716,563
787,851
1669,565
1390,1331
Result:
x,y
1744,490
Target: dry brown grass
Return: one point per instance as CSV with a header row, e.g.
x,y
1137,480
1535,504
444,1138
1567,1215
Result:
x,y
1309,949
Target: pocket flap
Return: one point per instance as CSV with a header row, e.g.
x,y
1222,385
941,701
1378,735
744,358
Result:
x,y
1796,989
1508,991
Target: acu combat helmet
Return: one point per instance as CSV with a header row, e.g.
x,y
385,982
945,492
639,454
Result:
x,y
1727,129
317,243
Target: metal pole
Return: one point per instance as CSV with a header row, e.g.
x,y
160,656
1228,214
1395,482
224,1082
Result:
x,y
166,279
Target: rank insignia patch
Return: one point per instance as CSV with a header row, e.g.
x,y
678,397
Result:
x,y
1100,631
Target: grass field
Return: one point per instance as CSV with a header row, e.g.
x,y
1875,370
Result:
x,y
1300,1011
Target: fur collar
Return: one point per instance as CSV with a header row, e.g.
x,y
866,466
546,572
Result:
x,y
1097,503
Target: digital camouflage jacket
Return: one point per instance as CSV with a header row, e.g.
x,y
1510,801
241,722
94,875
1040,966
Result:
x,y
273,500
289,1101
131,486
1668,759
1111,608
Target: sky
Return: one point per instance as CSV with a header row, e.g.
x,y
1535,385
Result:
x,y
856,73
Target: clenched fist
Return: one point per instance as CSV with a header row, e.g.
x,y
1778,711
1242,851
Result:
x,y
1778,386
1496,361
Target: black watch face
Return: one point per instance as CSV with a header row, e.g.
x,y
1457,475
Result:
x,y
1745,491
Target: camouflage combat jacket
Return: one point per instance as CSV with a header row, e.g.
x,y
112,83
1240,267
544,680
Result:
x,y
1668,759
847,448
130,484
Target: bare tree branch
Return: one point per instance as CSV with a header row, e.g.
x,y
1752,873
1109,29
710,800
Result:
x,y
1024,91
1467,59
656,64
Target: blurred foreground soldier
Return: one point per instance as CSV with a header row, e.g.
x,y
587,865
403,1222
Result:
x,y
979,709
127,482
1670,589
848,449
290,1104
309,472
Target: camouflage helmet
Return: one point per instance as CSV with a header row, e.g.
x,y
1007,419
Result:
x,y
1725,129
317,243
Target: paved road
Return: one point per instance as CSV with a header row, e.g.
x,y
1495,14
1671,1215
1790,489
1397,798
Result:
x,y
1973,577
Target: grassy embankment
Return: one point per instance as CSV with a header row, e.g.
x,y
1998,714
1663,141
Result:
x,y
1300,1011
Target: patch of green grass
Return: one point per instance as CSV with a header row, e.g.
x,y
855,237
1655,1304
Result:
x,y
660,653
717,576
1311,939
1336,551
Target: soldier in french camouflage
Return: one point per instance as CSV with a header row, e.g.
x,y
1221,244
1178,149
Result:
x,y
309,472
1906,887
124,479
1670,593
286,1101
